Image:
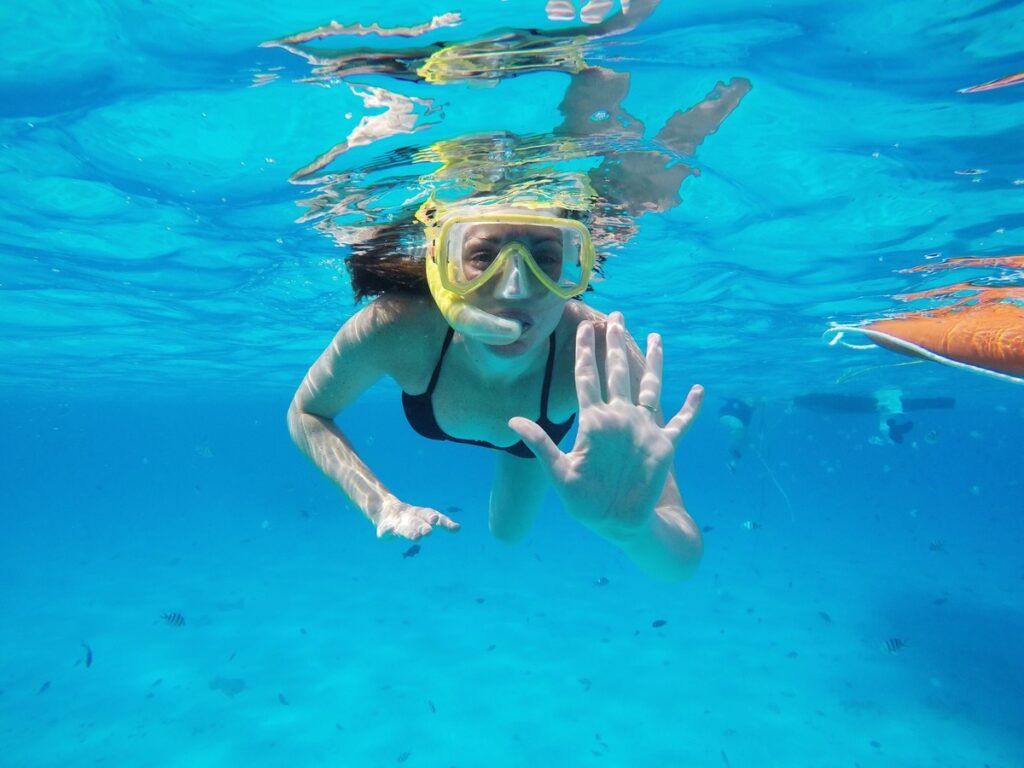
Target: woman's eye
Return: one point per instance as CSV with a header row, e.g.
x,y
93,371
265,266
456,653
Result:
x,y
547,254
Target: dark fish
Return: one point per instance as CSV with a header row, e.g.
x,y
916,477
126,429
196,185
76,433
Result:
x,y
601,582
453,510
937,546
282,699
725,760
658,623
174,619
88,654
411,551
44,687
708,528
898,428
481,600
430,704
403,757
894,645
825,617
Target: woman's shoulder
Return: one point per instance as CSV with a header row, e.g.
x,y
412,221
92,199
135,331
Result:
x,y
577,312
407,331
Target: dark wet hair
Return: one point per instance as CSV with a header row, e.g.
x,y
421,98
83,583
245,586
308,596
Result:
x,y
391,261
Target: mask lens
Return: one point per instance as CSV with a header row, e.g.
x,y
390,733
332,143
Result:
x,y
474,248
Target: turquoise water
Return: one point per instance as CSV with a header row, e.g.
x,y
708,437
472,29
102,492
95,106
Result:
x,y
159,303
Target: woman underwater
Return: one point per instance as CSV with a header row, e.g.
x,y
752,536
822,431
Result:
x,y
498,356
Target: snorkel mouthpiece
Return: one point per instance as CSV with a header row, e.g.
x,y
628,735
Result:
x,y
467,319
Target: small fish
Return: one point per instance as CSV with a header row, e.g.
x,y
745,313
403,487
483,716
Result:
x,y
751,525
174,619
403,757
452,510
430,704
894,645
44,687
937,546
708,528
601,582
658,623
282,699
481,600
932,437
411,551
825,617
88,654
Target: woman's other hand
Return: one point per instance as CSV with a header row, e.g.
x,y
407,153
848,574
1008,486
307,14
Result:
x,y
396,518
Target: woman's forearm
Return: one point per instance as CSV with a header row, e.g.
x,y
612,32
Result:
x,y
668,547
326,446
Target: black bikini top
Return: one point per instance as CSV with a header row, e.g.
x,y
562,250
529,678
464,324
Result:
x,y
419,409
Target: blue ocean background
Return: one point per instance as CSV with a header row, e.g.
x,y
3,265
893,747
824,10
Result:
x,y
159,304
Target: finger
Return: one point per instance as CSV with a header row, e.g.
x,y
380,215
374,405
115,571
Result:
x,y
616,362
588,381
438,520
650,383
538,441
680,423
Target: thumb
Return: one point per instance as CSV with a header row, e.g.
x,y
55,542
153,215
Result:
x,y
538,441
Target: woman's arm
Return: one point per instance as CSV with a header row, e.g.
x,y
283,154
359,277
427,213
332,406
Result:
x,y
617,479
356,358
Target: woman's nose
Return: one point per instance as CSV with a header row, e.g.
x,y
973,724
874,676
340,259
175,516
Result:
x,y
513,282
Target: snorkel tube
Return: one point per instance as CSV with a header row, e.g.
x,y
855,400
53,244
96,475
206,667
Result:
x,y
467,319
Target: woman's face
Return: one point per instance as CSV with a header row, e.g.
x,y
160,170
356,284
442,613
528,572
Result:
x,y
514,291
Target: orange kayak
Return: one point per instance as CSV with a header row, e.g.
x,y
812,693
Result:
x,y
999,82
983,333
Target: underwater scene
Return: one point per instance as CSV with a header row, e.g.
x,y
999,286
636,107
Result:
x,y
519,383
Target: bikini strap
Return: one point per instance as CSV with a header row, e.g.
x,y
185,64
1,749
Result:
x,y
440,359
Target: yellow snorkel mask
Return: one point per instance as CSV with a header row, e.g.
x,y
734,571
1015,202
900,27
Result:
x,y
469,249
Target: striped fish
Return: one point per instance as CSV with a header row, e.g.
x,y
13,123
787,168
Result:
x,y
174,619
751,525
894,645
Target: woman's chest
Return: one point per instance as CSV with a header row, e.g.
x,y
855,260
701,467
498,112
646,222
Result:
x,y
481,411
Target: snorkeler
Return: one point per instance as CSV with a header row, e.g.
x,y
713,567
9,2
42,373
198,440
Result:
x,y
735,416
887,402
506,364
